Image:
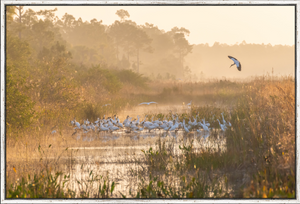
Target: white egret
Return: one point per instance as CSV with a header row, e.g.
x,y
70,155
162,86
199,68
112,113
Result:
x,y
138,120
102,128
97,121
174,126
186,129
125,121
119,124
92,127
223,126
84,127
163,126
107,104
113,128
77,124
224,122
147,103
207,124
204,126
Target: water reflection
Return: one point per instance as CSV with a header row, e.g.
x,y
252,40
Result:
x,y
119,160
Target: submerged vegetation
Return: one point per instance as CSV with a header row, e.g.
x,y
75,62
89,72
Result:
x,y
51,82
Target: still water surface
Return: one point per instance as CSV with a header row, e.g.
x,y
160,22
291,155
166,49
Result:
x,y
119,162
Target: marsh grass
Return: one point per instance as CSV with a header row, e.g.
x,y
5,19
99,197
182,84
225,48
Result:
x,y
50,176
260,143
258,162
172,176
271,184
47,184
196,187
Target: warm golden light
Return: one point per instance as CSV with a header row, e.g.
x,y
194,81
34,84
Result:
x,y
207,24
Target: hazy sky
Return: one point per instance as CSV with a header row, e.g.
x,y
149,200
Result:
x,y
207,24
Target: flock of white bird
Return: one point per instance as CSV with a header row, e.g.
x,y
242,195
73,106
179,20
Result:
x,y
130,125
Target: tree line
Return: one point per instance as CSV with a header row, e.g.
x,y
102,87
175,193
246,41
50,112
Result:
x,y
121,45
54,66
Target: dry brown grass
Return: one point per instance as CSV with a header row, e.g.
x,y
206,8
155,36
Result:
x,y
275,101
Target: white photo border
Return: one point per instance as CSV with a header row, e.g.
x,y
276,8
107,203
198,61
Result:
x,y
135,2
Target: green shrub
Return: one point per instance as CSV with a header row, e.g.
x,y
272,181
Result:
x,y
19,107
128,76
111,82
99,76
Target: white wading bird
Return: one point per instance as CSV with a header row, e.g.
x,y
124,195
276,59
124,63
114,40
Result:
x,y
236,62
186,129
147,103
222,126
107,105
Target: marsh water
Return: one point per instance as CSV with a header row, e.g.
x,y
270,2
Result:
x,y
120,157
119,162
123,161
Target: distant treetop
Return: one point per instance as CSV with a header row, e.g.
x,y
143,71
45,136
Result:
x,y
122,14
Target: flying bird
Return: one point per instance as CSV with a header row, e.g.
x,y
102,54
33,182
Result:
x,y
236,62
147,103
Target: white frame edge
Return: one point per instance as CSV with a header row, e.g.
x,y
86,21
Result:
x,y
5,2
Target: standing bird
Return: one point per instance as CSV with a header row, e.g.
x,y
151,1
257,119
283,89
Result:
x,y
236,62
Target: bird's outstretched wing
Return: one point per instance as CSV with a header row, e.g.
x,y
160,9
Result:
x,y
153,102
143,103
232,58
